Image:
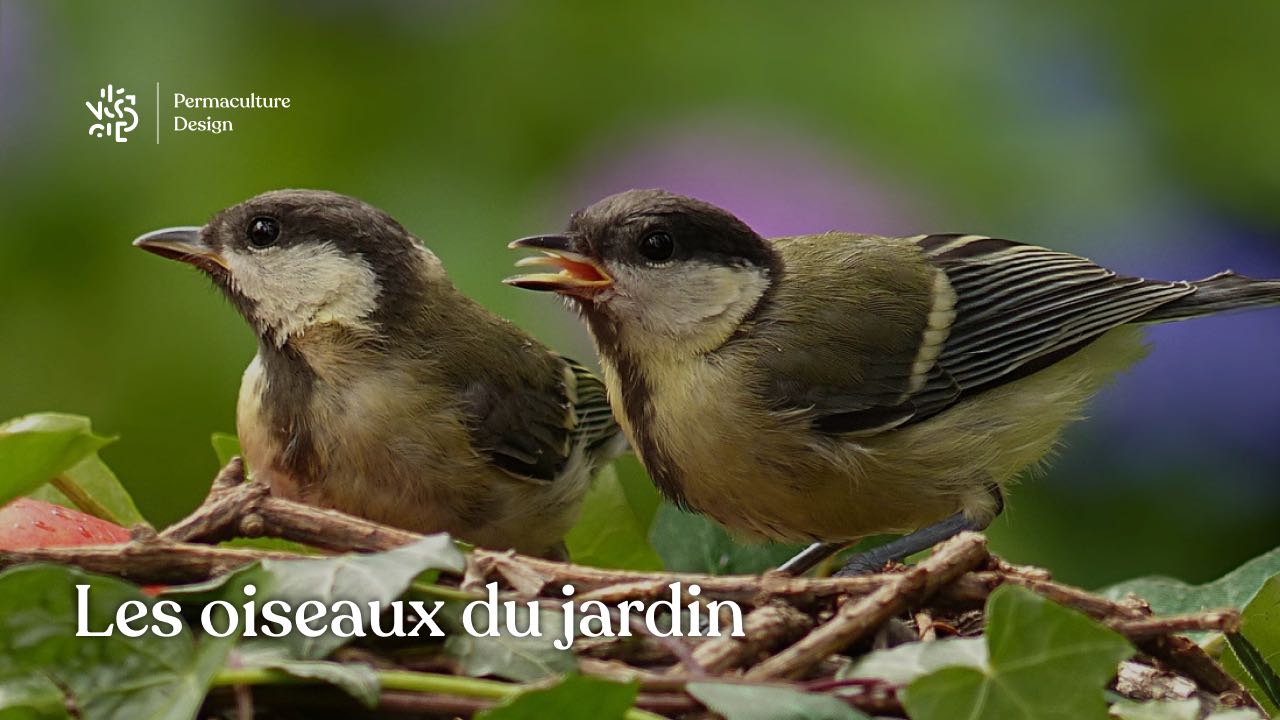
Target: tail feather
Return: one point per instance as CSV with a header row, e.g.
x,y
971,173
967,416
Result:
x,y
1220,293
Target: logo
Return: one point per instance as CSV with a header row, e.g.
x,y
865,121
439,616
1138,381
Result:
x,y
111,111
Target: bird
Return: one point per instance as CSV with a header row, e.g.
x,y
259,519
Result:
x,y
380,390
828,387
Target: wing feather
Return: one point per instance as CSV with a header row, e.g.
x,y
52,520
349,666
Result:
x,y
1001,310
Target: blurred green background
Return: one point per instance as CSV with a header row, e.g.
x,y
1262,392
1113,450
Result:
x,y
1141,134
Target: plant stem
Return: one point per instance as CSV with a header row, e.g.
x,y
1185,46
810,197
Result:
x,y
402,680
83,500
442,592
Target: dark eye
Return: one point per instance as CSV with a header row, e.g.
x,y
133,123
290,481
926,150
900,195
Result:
x,y
263,232
657,246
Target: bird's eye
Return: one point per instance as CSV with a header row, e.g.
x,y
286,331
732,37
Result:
x,y
657,246
263,232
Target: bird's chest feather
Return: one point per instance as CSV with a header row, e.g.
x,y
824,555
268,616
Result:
x,y
349,439
700,434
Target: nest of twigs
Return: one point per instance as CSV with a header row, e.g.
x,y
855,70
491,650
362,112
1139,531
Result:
x,y
799,631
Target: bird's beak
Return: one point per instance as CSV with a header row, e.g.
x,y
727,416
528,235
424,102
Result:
x,y
185,244
578,274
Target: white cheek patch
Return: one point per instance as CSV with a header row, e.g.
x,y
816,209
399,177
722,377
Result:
x,y
700,303
296,287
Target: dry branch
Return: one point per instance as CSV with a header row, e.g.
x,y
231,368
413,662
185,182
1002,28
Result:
x,y
812,620
855,619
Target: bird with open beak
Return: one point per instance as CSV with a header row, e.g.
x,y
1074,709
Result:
x,y
828,387
380,390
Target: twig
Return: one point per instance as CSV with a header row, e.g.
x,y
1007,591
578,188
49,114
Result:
x,y
925,630
1177,653
146,561
854,619
765,628
235,508
1224,621
1191,660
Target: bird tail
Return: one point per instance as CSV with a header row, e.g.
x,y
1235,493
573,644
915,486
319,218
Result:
x,y
1220,293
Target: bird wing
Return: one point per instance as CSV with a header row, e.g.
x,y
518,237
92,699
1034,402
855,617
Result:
x,y
594,425
530,432
996,311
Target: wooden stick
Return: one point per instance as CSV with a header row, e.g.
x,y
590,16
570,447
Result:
x,y
765,629
855,619
148,561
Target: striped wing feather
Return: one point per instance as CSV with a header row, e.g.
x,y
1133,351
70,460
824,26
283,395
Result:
x,y
1018,309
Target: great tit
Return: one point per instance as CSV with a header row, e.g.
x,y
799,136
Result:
x,y
380,390
829,387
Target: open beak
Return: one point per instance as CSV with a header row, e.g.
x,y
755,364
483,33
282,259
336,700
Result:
x,y
577,274
185,244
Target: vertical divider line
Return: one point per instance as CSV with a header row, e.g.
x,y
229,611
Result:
x,y
157,112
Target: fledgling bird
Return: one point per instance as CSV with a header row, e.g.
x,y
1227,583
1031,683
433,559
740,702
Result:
x,y
829,387
380,390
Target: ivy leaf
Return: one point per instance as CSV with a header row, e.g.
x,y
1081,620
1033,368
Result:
x,y
111,677
522,659
1168,596
226,446
576,697
359,680
31,697
358,578
1045,662
903,664
609,532
34,449
736,701
691,543
1254,657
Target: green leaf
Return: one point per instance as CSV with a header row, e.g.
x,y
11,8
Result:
x,y
225,446
1045,663
576,697
691,543
1168,596
31,697
609,533
357,679
1254,656
904,663
736,701
34,449
358,578
362,579
522,659
108,678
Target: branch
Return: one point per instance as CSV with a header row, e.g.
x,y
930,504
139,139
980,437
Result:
x,y
148,561
950,560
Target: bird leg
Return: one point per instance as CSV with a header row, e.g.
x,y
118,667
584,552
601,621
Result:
x,y
901,548
808,558
895,550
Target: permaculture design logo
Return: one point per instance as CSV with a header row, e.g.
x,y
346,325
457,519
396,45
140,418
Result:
x,y
110,110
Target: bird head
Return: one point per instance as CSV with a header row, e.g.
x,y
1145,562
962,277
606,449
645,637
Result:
x,y
657,270
290,260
